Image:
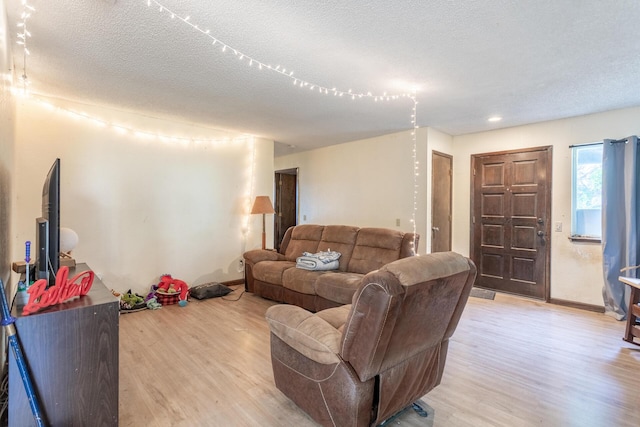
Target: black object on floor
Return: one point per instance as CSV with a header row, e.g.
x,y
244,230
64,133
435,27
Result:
x,y
209,290
408,415
419,410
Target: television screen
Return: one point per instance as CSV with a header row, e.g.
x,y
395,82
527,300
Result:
x,y
51,212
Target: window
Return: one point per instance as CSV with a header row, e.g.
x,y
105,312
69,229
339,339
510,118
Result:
x,y
586,192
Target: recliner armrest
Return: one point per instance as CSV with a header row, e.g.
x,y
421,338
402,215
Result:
x,y
306,332
258,255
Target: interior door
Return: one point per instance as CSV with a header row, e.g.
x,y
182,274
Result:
x,y
511,208
441,190
286,203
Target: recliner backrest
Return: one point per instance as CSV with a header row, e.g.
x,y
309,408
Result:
x,y
408,306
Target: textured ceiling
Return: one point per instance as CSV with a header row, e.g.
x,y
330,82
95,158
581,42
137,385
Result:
x,y
524,60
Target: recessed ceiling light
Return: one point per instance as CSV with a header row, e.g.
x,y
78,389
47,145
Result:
x,y
495,119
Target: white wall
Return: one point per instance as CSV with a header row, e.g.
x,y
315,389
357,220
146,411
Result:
x,y
142,207
370,182
146,207
576,268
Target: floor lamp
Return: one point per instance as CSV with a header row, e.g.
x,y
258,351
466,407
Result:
x,y
262,205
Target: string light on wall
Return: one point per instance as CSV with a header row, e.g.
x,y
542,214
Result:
x,y
416,166
248,196
23,35
260,65
142,134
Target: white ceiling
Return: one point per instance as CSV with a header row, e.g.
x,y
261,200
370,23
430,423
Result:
x,y
524,60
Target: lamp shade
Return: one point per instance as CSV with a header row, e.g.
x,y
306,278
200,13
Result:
x,y
262,205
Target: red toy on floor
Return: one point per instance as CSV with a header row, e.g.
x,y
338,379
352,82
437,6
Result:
x,y
168,284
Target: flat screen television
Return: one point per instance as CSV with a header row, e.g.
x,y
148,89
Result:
x,y
48,227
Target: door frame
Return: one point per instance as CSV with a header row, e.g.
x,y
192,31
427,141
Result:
x,y
547,225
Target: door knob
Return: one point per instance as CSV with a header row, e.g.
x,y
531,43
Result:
x,y
435,228
540,233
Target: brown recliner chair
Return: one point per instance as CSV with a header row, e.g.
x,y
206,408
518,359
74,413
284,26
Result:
x,y
359,364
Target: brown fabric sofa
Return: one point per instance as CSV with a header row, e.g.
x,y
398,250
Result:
x,y
274,275
359,364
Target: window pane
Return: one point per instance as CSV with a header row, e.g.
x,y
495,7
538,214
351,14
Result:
x,y
587,191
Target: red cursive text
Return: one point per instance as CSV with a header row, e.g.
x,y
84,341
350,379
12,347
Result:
x,y
63,290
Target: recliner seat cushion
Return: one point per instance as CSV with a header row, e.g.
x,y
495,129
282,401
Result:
x,y
309,334
336,317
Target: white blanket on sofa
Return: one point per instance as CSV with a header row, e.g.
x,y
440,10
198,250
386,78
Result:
x,y
321,261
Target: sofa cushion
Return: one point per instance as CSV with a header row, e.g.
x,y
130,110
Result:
x,y
339,238
338,287
374,248
304,238
300,280
271,271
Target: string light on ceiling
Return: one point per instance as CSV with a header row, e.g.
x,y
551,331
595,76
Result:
x,y
226,48
23,35
260,65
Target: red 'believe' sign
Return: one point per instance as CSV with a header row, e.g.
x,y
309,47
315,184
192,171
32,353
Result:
x,y
63,290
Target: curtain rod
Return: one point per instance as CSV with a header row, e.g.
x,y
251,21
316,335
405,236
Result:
x,y
614,141
617,141
585,145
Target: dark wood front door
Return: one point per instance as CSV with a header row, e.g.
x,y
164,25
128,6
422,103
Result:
x,y
286,206
511,210
441,175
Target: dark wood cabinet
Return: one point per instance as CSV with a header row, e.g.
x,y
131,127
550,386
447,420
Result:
x,y
72,353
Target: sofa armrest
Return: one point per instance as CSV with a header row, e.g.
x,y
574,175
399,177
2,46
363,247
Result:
x,y
258,255
306,332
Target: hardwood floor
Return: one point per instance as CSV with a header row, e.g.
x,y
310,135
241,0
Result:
x,y
512,362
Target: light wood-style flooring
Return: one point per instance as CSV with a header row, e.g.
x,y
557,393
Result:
x,y
512,362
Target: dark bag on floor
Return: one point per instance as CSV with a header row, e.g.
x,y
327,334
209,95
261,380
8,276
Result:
x,y
209,290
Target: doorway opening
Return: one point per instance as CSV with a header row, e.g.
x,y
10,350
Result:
x,y
286,203
441,201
